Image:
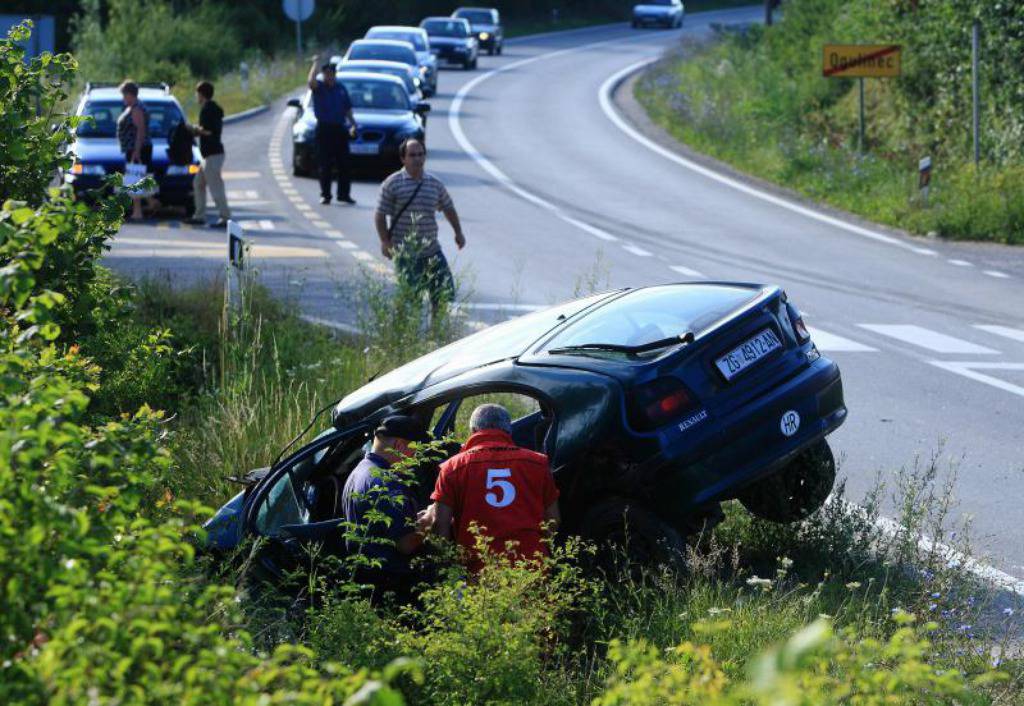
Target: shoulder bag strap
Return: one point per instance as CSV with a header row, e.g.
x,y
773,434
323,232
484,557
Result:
x,y
394,221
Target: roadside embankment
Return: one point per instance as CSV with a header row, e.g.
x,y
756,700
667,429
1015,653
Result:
x,y
756,99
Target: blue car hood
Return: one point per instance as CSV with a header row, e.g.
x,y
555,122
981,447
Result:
x,y
224,530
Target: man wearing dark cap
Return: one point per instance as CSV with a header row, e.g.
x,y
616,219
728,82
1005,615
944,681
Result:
x,y
332,108
372,487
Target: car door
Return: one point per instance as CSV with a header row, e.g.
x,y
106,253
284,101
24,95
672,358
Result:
x,y
298,502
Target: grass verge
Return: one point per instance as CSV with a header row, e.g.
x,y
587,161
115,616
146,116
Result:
x,y
755,99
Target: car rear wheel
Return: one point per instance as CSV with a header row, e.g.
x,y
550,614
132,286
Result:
x,y
797,490
629,535
500,47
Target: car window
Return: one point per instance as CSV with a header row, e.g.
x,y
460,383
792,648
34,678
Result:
x,y
478,17
519,407
163,116
446,28
414,38
655,313
375,95
282,505
382,52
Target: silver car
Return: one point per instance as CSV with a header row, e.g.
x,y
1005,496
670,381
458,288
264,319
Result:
x,y
410,76
421,45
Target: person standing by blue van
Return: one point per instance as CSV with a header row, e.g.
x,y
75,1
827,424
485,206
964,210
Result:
x,y
332,108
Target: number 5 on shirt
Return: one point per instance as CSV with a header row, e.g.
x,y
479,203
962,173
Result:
x,y
508,491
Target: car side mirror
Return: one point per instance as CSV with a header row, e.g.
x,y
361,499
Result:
x,y
422,108
295,103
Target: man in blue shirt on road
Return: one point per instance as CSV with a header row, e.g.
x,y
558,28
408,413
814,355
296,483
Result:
x,y
332,108
374,489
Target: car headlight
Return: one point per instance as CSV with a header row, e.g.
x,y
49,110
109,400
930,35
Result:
x,y
484,36
93,169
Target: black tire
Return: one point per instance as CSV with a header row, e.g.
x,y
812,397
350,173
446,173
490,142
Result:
x,y
634,24
795,491
491,50
630,535
500,48
190,207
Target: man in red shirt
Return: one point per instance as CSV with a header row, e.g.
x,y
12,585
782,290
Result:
x,y
506,491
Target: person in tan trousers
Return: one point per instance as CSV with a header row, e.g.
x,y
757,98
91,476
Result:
x,y
211,120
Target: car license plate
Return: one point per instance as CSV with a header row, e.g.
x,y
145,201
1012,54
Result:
x,y
357,148
747,353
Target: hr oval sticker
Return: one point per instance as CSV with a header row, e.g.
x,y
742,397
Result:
x,y
790,423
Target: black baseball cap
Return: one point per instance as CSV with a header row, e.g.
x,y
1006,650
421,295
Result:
x,y
328,66
402,426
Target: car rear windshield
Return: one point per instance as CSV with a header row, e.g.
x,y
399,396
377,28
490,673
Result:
x,y
368,94
655,313
163,116
477,17
414,38
382,52
446,28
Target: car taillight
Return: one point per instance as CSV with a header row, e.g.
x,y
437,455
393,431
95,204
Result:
x,y
799,327
658,402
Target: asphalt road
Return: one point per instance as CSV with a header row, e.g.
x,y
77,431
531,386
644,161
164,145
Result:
x,y
559,192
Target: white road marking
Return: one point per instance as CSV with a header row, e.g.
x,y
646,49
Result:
x,y
1014,334
925,251
587,228
333,233
969,369
239,203
455,126
302,205
229,176
362,255
267,224
830,342
635,250
605,99
960,263
346,245
319,223
997,274
168,243
239,194
926,338
686,271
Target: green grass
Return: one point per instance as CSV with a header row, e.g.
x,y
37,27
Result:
x,y
268,79
752,101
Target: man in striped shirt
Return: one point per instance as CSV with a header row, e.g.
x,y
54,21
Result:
x,y
406,223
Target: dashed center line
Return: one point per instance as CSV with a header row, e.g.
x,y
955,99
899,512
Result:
x,y
635,250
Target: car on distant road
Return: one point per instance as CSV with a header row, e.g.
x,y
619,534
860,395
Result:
x,y
452,40
382,50
485,23
666,13
653,405
383,111
421,45
97,152
405,72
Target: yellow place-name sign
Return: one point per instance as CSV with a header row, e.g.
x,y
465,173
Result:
x,y
865,60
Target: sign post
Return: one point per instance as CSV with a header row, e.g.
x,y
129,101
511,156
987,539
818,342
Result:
x,y
298,11
924,177
861,61
236,257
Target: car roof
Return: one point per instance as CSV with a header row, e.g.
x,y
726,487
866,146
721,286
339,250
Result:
x,y
511,339
383,42
145,94
445,18
393,28
370,76
475,9
359,63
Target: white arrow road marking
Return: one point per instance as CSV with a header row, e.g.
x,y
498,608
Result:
x,y
830,342
931,340
969,369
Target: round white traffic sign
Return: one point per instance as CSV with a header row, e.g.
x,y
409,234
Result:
x,y
298,10
790,422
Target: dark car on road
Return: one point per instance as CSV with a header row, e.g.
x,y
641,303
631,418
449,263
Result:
x,y
452,40
653,404
427,69
383,111
664,13
97,152
485,23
